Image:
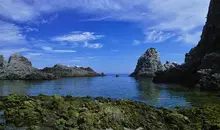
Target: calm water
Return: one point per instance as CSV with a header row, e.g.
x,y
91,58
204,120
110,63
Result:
x,y
123,87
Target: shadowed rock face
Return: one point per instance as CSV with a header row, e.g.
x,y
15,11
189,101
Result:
x,y
66,71
202,63
148,64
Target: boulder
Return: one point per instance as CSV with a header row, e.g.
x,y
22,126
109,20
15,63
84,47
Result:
x,y
148,64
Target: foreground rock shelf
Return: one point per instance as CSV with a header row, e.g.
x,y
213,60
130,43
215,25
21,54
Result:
x,y
72,113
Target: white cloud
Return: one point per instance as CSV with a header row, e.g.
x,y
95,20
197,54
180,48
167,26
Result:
x,y
136,42
65,51
190,38
31,55
176,16
75,60
10,33
77,37
50,49
9,51
50,19
29,29
157,36
34,54
93,45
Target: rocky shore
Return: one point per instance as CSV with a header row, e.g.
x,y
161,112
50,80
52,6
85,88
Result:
x,y
20,68
72,113
202,64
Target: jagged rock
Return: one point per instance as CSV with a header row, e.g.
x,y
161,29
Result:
x,y
202,63
20,68
148,64
169,65
65,71
2,61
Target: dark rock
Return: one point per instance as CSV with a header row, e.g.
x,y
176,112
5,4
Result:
x,y
202,63
148,64
168,65
2,61
66,71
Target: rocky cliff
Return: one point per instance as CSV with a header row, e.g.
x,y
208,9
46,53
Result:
x,y
202,63
148,64
65,71
20,68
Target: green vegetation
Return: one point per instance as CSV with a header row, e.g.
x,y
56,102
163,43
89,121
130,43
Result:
x,y
71,113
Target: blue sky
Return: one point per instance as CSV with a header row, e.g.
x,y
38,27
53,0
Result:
x,y
107,35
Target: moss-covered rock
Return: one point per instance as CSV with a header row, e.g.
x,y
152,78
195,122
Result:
x,y
71,113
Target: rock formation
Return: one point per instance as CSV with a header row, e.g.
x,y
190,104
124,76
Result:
x,y
65,71
202,63
168,65
148,64
20,68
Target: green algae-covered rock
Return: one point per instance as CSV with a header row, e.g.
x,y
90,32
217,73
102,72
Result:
x,y
72,113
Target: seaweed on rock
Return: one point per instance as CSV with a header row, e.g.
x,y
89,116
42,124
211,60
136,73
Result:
x,y
61,113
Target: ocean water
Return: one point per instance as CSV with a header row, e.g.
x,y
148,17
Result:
x,y
123,87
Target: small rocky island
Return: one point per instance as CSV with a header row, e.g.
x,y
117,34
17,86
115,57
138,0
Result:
x,y
149,63
65,71
20,68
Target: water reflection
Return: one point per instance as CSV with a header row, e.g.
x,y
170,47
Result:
x,y
123,87
148,91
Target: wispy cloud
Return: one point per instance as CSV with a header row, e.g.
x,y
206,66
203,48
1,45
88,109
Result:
x,y
8,51
157,36
50,19
136,42
50,49
93,45
32,54
10,33
77,36
168,16
30,29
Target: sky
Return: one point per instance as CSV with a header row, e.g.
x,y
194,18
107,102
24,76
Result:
x,y
107,35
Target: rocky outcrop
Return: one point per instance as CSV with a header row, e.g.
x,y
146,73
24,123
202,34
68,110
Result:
x,y
65,71
20,68
21,112
148,64
202,63
168,65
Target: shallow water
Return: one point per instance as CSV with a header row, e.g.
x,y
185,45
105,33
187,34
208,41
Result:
x,y
123,87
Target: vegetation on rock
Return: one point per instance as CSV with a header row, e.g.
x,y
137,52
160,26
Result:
x,y
72,113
